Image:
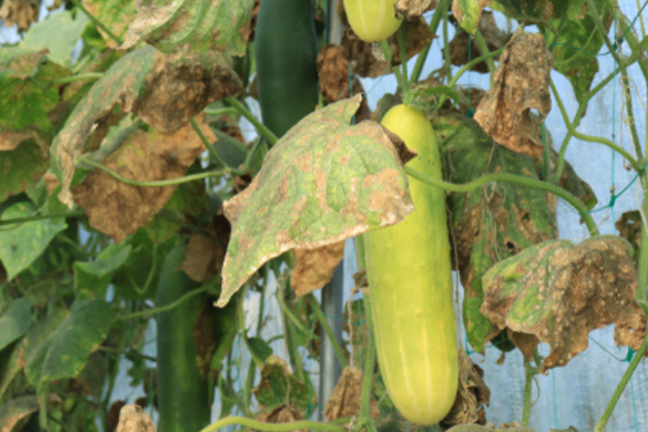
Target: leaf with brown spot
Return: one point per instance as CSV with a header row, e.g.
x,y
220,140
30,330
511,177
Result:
x,y
346,398
463,47
314,268
119,209
278,387
520,84
323,182
282,414
214,25
472,395
164,91
559,292
117,15
364,61
468,12
491,223
21,13
629,227
14,413
132,418
205,252
414,8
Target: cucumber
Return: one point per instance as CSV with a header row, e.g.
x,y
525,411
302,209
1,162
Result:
x,y
286,53
372,20
183,395
410,284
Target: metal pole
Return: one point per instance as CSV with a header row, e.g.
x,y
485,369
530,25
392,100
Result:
x,y
332,293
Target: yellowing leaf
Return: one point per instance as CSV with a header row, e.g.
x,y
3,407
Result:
x,y
323,182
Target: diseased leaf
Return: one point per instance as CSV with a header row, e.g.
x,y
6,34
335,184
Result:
x,y
15,321
205,253
14,413
164,91
347,395
527,10
232,151
21,244
119,209
491,223
117,15
59,33
33,340
463,49
473,395
520,84
323,182
629,227
468,13
314,268
414,8
21,13
259,348
21,166
91,279
214,25
558,292
282,414
279,387
631,331
74,340
132,418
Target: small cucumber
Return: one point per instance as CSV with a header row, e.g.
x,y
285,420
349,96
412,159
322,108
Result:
x,y
372,20
410,284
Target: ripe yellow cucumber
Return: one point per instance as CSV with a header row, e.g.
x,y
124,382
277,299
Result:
x,y
372,20
410,285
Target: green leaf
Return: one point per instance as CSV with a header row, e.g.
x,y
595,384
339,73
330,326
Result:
x,y
59,33
91,279
15,321
170,25
22,167
117,15
143,81
259,348
468,13
490,223
14,413
22,355
232,151
527,10
323,182
279,387
21,244
79,335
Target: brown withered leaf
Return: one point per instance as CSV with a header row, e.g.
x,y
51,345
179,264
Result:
x,y
314,268
132,418
460,51
321,183
333,72
363,59
629,227
283,414
559,292
472,395
205,253
164,91
21,13
631,331
411,9
346,398
112,418
119,209
520,84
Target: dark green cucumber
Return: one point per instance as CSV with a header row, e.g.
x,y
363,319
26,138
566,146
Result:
x,y
286,52
183,395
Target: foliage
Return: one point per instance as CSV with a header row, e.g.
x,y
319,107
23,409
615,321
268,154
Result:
x,y
120,140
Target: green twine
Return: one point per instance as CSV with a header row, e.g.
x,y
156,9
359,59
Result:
x,y
555,407
615,196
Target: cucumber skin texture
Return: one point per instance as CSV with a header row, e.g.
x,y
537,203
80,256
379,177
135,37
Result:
x,y
183,395
372,20
410,284
286,54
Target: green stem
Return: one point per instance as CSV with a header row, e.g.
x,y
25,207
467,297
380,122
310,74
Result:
x,y
144,183
422,57
511,178
131,351
638,357
588,138
244,338
273,427
630,112
483,47
267,133
207,144
446,50
642,268
47,216
96,22
529,372
79,77
221,111
289,335
291,316
327,329
369,366
402,44
165,308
